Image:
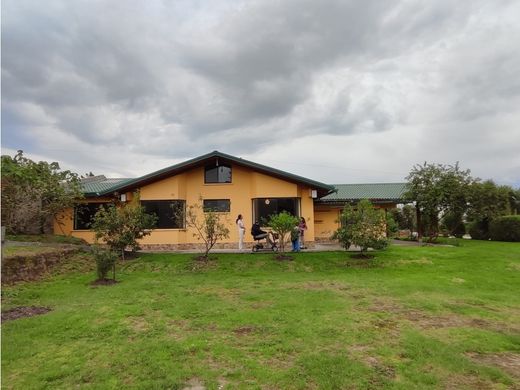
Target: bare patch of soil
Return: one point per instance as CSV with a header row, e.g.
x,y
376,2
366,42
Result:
x,y
362,256
507,361
244,330
422,260
361,262
194,384
104,282
201,263
429,321
282,257
23,311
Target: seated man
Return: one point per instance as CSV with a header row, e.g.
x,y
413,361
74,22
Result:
x,y
258,233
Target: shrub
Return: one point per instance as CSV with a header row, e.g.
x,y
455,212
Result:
x,y
479,230
453,224
505,228
105,261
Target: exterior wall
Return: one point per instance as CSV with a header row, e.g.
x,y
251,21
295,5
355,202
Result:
x,y
327,218
189,186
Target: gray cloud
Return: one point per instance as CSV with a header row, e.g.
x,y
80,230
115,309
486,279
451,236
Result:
x,y
174,80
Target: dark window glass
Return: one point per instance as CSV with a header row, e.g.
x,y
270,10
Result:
x,y
220,174
170,213
84,214
219,205
264,207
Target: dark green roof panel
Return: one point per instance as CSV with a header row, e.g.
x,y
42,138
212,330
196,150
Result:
x,y
374,191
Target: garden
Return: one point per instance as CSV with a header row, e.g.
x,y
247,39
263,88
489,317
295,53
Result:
x,y
412,317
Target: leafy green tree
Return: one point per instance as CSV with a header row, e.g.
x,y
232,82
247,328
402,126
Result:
x,y
363,226
282,224
207,225
35,192
121,225
437,189
486,202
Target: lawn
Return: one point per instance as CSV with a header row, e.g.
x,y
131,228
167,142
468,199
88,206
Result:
x,y
415,317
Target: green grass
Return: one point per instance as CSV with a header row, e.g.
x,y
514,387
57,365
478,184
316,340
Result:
x,y
415,317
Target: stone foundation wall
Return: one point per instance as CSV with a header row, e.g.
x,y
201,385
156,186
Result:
x,y
200,247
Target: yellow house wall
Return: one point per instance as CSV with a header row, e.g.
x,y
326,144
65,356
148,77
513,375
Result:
x,y
189,186
327,219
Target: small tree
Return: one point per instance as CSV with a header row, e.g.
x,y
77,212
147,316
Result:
x,y
282,224
121,225
105,261
363,226
207,225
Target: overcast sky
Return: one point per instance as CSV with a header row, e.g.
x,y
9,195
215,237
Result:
x,y
337,91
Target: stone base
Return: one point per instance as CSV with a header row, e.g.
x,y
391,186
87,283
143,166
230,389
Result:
x,y
201,247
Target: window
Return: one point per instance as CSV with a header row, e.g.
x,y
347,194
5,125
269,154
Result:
x,y
264,207
170,213
84,214
219,205
217,174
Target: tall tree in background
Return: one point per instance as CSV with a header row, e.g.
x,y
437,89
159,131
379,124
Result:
x,y
486,202
34,193
438,190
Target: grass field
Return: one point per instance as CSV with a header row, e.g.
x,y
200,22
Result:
x,y
415,317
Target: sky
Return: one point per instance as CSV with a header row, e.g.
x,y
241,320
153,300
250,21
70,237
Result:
x,y
336,91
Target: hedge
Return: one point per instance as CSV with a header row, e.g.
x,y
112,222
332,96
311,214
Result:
x,y
505,228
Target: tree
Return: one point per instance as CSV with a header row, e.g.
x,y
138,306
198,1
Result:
x,y
486,202
121,225
207,225
363,226
34,192
438,189
282,224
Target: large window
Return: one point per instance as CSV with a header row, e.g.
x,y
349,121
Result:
x,y
264,207
170,213
219,205
217,174
84,214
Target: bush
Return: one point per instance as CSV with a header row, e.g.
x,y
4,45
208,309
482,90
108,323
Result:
x,y
105,261
505,228
479,230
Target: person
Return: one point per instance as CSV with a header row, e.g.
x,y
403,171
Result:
x,y
295,238
258,233
241,230
302,227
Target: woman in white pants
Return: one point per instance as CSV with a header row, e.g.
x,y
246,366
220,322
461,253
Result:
x,y
241,232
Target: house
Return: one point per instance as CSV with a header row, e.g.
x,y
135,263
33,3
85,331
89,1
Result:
x,y
224,183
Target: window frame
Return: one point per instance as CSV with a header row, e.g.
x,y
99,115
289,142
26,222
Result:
x,y
207,209
88,204
258,218
211,167
171,201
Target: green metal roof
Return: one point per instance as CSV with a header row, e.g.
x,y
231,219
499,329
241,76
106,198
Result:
x,y
96,185
372,191
99,188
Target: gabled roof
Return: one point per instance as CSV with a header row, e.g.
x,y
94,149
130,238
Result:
x,y
123,185
382,192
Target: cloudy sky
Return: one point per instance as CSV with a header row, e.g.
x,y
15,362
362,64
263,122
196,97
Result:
x,y
338,91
